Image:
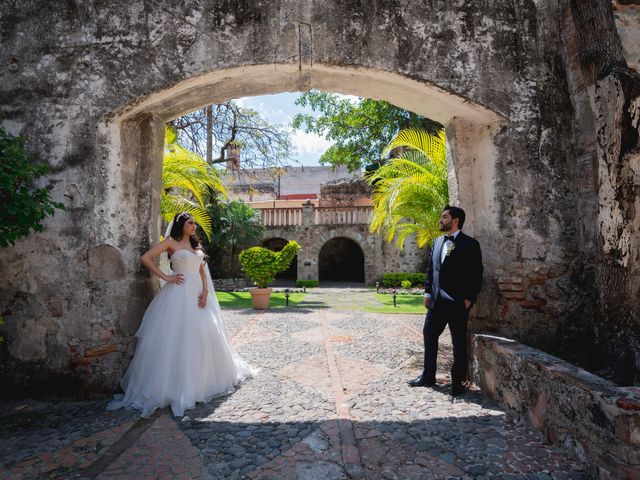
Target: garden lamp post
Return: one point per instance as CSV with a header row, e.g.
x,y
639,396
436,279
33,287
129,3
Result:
x,y
286,296
394,293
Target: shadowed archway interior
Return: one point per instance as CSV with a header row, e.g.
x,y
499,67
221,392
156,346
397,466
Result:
x,y
341,259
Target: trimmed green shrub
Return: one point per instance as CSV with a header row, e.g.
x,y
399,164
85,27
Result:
x,y
261,265
405,284
306,283
395,279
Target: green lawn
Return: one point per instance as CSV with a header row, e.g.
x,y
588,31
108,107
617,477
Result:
x,y
405,304
243,299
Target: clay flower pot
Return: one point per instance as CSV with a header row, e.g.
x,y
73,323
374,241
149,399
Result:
x,y
260,297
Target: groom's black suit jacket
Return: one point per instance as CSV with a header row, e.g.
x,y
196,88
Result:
x,y
460,275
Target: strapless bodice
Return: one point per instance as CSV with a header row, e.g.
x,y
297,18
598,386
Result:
x,y
187,262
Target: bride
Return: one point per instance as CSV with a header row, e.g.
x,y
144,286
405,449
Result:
x,y
183,355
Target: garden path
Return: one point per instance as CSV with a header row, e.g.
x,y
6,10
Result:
x,y
330,402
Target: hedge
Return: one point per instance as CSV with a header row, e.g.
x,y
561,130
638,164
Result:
x,y
306,283
395,279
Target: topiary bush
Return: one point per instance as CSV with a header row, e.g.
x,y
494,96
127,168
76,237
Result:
x,y
306,283
405,284
395,279
262,265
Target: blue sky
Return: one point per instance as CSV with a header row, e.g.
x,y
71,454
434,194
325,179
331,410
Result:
x,y
279,110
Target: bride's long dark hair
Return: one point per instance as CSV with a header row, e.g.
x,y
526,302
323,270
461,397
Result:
x,y
178,227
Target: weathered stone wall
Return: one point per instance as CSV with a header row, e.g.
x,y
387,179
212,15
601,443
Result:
x,y
343,192
379,256
605,93
92,83
593,417
313,237
627,19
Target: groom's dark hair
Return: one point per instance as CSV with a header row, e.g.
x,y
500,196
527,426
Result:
x,y
456,212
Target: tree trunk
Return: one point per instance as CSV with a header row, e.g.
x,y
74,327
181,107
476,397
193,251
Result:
x,y
599,43
616,96
209,134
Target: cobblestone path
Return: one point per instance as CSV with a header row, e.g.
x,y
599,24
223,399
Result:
x,y
330,402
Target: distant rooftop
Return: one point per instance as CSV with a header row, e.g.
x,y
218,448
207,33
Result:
x,y
255,184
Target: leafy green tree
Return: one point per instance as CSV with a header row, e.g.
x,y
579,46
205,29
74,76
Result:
x,y
24,206
360,130
188,183
235,226
409,191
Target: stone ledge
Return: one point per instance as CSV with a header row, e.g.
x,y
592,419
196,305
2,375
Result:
x,y
597,420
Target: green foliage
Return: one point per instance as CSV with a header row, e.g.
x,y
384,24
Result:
x,y
306,283
261,265
396,279
188,183
359,130
410,191
235,225
239,224
24,207
405,284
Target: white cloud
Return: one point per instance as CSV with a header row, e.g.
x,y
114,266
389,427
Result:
x,y
241,102
351,98
309,143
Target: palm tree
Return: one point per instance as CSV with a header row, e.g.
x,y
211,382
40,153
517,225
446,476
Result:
x,y
240,225
187,183
410,190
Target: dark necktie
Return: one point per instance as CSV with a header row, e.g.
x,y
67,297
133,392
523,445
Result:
x,y
449,238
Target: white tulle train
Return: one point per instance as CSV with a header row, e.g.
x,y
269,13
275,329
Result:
x,y
183,355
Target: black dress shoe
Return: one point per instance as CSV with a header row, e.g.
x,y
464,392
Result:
x,y
421,381
457,390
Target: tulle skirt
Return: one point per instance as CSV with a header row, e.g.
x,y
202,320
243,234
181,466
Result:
x,y
183,355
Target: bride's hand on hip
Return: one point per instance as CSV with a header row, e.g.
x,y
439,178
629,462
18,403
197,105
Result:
x,y
177,279
202,299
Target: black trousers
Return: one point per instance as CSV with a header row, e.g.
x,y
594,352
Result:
x,y
456,316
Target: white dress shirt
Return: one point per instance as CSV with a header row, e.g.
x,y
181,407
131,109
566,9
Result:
x,y
446,246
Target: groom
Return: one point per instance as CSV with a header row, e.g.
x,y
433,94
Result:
x,y
454,278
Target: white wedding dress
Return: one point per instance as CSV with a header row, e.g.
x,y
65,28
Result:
x,y
183,355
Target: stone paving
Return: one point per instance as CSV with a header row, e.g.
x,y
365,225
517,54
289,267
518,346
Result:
x,y
330,402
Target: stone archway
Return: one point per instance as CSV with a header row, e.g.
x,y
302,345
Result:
x,y
99,116
341,259
276,244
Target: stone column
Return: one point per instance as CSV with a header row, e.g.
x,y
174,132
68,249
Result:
x,y
471,167
308,211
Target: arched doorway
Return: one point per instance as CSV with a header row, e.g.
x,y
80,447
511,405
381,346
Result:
x,y
112,154
277,244
341,260
137,133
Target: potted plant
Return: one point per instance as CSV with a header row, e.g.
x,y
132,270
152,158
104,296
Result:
x,y
261,265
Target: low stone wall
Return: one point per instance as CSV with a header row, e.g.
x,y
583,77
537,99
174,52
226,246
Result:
x,y
231,283
596,419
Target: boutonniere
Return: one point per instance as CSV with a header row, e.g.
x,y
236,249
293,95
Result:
x,y
450,248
